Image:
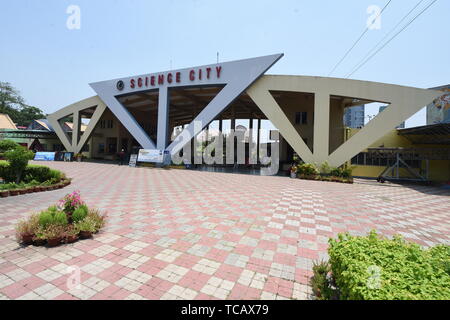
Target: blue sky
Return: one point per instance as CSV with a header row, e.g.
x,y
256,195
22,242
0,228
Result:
x,y
52,65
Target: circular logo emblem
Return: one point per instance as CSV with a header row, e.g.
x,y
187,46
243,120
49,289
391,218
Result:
x,y
120,85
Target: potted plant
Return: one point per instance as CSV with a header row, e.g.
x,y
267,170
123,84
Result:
x,y
86,227
79,157
14,192
293,172
25,229
39,238
4,193
28,189
98,219
71,234
54,234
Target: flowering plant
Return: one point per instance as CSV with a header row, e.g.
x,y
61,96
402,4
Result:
x,y
71,202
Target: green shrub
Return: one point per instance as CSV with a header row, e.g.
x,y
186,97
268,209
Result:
x,y
336,172
80,213
347,172
6,172
52,217
34,174
39,173
342,172
18,160
87,224
98,219
325,168
10,186
60,218
320,282
6,145
307,169
376,268
45,218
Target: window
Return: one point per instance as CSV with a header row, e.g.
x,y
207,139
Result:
x,y
106,124
58,147
101,148
85,148
301,117
112,145
367,159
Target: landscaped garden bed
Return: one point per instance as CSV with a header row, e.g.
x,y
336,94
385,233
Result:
x,y
377,268
309,171
66,222
19,177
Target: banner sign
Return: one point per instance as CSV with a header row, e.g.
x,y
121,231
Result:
x,y
44,156
133,160
151,155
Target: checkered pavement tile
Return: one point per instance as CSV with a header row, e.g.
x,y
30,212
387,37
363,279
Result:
x,y
179,234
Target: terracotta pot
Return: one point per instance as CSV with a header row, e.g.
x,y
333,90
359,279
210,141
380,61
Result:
x,y
38,242
27,239
54,242
13,192
85,234
71,239
4,194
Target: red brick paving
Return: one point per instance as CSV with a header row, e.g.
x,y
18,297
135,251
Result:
x,y
177,234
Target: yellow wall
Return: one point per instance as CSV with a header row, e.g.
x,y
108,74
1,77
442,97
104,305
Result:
x,y
439,170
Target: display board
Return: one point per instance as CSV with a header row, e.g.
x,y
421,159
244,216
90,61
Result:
x,y
44,156
133,160
151,155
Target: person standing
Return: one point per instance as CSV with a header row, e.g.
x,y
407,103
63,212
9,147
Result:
x,y
121,157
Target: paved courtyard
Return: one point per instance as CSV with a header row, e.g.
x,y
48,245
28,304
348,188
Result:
x,y
178,234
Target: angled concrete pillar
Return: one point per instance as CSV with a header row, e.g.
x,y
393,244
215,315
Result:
x,y
321,125
163,118
75,128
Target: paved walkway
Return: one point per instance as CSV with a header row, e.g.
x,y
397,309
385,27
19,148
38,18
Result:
x,y
177,234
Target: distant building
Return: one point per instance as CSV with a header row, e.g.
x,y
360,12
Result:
x,y
401,126
354,117
6,122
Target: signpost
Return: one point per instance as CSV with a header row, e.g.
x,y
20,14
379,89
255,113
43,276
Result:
x,y
133,160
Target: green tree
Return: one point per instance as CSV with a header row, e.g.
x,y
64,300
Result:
x,y
12,104
18,160
6,145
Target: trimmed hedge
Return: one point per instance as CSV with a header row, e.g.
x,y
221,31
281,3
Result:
x,y
403,270
32,172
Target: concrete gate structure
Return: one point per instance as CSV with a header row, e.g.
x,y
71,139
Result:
x,y
243,85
